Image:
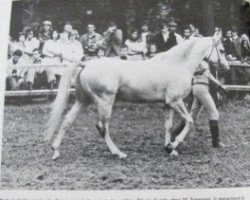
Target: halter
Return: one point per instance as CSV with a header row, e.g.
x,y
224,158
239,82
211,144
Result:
x,y
207,59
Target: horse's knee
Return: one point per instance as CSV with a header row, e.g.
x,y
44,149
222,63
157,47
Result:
x,y
101,129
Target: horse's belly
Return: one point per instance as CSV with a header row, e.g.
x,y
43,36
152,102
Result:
x,y
139,95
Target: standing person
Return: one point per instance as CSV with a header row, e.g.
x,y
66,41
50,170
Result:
x,y
51,51
229,46
202,97
237,44
173,28
113,38
136,47
186,34
146,35
91,40
194,31
67,29
245,45
45,33
166,39
30,43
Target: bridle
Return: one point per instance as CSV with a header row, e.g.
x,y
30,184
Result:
x,y
217,51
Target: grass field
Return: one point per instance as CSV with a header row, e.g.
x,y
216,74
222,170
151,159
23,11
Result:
x,y
137,129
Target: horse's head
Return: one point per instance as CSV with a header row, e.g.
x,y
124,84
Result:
x,y
216,55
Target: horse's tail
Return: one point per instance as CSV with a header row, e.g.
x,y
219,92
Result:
x,y
60,101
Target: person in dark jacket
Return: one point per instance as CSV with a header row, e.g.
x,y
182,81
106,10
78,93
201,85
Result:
x,y
166,39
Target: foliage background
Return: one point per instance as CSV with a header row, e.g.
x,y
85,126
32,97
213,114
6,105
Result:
x,y
130,13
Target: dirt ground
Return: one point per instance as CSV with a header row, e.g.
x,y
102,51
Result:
x,y
137,129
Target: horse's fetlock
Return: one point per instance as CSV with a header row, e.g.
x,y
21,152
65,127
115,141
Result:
x,y
101,130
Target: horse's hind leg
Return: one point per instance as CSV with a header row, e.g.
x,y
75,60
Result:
x,y
69,119
104,114
168,124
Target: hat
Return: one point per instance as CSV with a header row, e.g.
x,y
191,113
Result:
x,y
47,23
172,23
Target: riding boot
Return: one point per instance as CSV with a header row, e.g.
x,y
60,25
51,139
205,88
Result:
x,y
176,130
214,129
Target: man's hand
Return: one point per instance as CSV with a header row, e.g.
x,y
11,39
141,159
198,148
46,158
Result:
x,y
223,89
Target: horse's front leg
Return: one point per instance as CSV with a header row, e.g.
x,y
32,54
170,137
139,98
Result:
x,y
180,108
168,125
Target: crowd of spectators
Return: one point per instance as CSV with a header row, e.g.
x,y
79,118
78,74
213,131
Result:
x,y
49,47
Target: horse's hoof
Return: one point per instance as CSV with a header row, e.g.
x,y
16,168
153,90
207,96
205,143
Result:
x,y
169,148
122,155
56,155
174,145
174,153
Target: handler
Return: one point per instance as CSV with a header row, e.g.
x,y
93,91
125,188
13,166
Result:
x,y
202,97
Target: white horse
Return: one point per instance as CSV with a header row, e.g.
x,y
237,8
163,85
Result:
x,y
164,78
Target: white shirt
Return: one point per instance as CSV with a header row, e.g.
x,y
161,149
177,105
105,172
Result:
x,y
178,38
135,47
30,45
144,37
51,49
165,36
71,51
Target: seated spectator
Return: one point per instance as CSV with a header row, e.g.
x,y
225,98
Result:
x,y
91,41
30,43
45,33
245,44
124,53
152,51
51,51
41,77
113,39
146,35
100,52
237,52
15,75
20,43
186,33
136,47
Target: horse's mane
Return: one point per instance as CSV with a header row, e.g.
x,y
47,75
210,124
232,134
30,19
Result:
x,y
179,52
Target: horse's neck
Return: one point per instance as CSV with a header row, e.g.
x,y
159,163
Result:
x,y
196,55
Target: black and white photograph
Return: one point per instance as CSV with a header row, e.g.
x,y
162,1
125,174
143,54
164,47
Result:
x,y
127,95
